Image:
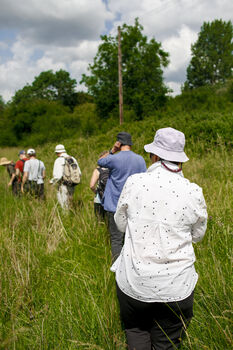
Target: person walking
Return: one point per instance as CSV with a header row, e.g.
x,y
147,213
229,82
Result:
x,y
34,173
97,185
121,166
19,169
10,167
162,213
63,166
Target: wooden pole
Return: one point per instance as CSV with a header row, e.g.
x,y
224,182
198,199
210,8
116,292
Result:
x,y
120,77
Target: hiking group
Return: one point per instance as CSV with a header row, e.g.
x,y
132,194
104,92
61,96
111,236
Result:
x,y
154,216
28,173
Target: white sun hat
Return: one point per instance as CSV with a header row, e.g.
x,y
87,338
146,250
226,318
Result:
x,y
168,144
31,151
60,149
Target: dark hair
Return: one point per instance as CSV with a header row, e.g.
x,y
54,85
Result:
x,y
103,153
162,160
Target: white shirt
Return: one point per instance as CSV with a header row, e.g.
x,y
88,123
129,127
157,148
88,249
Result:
x,y
58,168
34,168
161,213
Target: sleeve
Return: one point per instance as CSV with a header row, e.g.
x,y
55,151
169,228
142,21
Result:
x,y
199,228
57,170
121,215
106,162
26,166
17,165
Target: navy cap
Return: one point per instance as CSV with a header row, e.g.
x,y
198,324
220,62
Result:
x,y
124,138
21,152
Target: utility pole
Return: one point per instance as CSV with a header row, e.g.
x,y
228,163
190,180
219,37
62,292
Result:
x,y
120,77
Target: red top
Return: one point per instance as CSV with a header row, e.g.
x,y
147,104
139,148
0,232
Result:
x,y
20,164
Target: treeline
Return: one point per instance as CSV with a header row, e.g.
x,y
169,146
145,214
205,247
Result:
x,y
50,109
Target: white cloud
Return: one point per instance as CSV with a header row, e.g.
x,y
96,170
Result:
x,y
66,33
179,47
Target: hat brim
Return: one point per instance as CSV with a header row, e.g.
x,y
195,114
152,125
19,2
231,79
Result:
x,y
166,155
60,151
6,163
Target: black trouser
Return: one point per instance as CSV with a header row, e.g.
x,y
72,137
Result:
x,y
36,190
16,188
159,326
116,237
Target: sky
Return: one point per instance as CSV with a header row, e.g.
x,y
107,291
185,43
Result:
x,y
39,35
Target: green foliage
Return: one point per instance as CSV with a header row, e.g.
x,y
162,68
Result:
x,y
56,287
212,57
50,86
142,62
2,104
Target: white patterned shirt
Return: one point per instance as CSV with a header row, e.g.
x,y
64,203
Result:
x,y
161,213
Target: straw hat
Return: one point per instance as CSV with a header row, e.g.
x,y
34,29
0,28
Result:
x,y
4,161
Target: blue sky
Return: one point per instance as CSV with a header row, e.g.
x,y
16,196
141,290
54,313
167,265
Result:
x,y
38,35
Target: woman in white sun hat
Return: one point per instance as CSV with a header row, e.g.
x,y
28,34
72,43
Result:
x,y
162,214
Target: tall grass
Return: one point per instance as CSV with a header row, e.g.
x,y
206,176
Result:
x,y
56,290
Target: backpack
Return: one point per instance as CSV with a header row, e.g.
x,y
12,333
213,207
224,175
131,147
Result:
x,y
71,173
103,178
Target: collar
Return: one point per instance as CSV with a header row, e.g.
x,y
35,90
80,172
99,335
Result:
x,y
158,165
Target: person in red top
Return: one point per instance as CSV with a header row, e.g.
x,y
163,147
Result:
x,y
19,165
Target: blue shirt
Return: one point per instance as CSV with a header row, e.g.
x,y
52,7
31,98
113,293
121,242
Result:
x,y
121,166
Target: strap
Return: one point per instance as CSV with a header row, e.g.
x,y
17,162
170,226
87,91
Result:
x,y
38,171
172,170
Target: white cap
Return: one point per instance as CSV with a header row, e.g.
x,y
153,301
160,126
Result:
x,y
31,151
59,149
168,144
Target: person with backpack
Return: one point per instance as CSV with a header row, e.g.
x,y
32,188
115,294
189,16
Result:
x,y
34,173
10,167
66,174
19,169
97,185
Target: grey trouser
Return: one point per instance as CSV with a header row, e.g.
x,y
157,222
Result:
x,y
65,195
159,326
116,237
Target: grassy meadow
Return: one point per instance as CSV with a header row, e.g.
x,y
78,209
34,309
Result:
x,y
56,289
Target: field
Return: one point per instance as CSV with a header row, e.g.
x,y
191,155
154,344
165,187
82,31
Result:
x,y
56,289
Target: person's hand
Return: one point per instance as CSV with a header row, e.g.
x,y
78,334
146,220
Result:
x,y
22,189
9,184
51,182
116,147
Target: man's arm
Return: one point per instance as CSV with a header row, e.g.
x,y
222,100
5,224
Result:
x,y
58,170
94,179
106,162
11,179
25,177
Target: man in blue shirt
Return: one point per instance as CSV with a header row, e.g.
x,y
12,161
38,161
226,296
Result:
x,y
121,166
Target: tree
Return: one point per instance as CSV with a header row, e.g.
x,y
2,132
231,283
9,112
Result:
x,y
142,63
212,58
50,86
2,104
